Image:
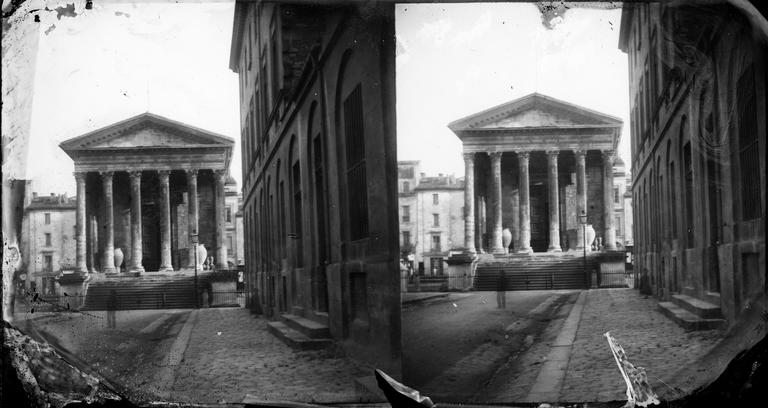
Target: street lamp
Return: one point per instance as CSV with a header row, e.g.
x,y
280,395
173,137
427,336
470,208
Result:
x,y
583,222
193,238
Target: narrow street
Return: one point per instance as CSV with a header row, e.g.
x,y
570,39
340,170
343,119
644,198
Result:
x,y
453,345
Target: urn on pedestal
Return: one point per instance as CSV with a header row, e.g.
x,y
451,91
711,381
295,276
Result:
x,y
119,259
506,239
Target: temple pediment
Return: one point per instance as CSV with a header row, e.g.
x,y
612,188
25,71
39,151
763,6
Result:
x,y
146,131
534,110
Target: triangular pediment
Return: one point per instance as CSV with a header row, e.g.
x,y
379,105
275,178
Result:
x,y
535,110
146,131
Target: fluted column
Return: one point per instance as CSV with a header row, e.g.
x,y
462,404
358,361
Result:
x,y
497,246
554,202
609,243
469,202
94,231
80,223
192,212
136,237
581,194
525,203
108,258
165,221
221,249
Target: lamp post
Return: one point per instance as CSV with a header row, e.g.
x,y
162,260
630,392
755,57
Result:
x,y
583,222
193,239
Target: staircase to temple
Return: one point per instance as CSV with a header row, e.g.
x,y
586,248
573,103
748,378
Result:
x,y
535,271
145,292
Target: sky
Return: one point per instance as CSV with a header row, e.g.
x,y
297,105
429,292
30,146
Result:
x,y
121,59
124,58
455,60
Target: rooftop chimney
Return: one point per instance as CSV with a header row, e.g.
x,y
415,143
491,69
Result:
x,y
34,194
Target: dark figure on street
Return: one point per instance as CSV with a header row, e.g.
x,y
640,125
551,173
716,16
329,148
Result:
x,y
112,306
501,290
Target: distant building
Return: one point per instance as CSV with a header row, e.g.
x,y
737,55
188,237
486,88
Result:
x,y
317,109
697,82
48,241
233,218
431,218
622,204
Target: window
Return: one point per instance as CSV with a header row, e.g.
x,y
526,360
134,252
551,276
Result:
x,y
357,194
406,213
616,196
406,238
435,199
47,239
617,226
48,263
435,243
405,172
229,245
47,218
749,156
274,60
435,220
229,214
406,187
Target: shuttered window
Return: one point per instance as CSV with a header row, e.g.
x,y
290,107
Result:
x,y
357,195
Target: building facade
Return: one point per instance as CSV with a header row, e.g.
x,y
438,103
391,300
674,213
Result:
x,y
622,204
146,186
431,218
233,224
532,166
319,168
48,241
698,106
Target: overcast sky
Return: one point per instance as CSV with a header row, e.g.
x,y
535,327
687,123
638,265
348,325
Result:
x,y
122,59
457,59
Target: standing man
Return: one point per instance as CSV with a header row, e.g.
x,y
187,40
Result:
x,y
112,306
501,290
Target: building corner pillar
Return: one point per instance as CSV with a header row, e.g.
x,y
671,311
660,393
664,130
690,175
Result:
x,y
108,258
469,203
80,223
554,202
497,247
221,249
165,221
609,242
525,203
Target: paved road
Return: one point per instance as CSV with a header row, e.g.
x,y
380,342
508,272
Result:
x,y
452,345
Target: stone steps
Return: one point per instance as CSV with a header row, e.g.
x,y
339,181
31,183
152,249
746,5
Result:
x,y
534,273
295,339
698,307
309,328
688,320
142,294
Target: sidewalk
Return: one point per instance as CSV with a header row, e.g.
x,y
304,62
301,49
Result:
x,y
417,297
231,354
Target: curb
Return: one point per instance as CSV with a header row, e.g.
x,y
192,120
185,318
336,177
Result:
x,y
423,299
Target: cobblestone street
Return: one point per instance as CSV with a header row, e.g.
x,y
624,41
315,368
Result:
x,y
587,369
230,354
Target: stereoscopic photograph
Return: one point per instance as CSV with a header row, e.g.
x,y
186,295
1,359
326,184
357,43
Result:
x,y
306,203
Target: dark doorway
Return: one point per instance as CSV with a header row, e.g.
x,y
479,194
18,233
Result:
x,y
539,218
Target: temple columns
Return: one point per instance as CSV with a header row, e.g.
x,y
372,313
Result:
x,y
108,258
609,243
554,206
136,233
165,221
581,195
221,249
80,265
192,212
469,202
497,248
525,203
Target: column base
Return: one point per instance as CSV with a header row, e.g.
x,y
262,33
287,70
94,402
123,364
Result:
x,y
528,250
498,251
554,249
140,269
110,270
82,270
165,269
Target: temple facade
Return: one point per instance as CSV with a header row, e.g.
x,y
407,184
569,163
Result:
x,y
146,186
532,166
